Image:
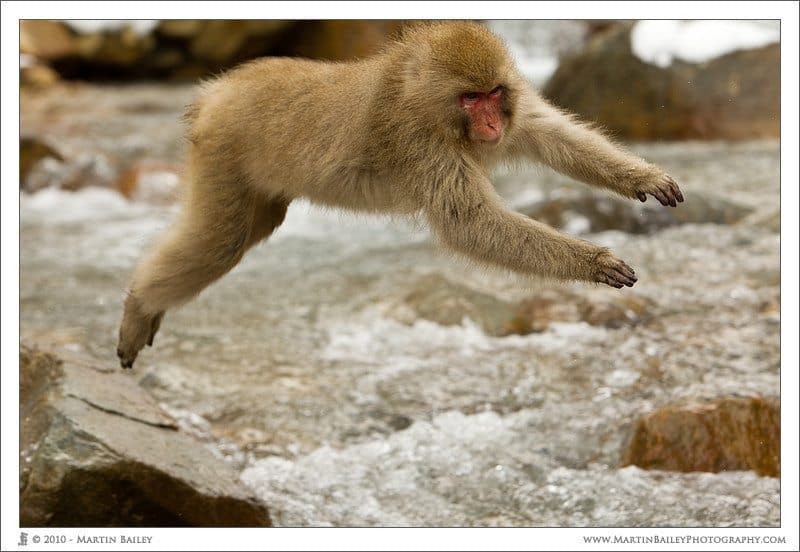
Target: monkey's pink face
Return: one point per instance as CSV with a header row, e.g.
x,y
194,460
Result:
x,y
484,111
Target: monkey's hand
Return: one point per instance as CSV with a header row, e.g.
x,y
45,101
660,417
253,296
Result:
x,y
662,187
137,330
607,269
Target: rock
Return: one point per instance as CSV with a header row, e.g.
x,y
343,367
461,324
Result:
x,y
180,28
339,40
616,311
722,435
613,311
46,39
579,212
447,303
192,48
765,218
124,47
153,182
439,300
535,314
31,151
96,450
219,40
37,76
735,96
88,169
267,27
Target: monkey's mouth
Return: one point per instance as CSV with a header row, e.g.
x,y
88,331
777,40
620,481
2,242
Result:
x,y
492,142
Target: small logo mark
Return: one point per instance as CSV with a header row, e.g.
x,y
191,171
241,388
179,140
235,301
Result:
x,y
23,539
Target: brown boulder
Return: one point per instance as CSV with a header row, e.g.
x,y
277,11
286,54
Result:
x,y
447,303
536,313
46,39
97,451
601,213
734,96
31,151
721,435
190,49
180,28
339,40
122,48
37,76
219,40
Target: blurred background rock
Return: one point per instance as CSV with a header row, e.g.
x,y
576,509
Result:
x,y
188,49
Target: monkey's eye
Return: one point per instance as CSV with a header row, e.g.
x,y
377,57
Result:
x,y
471,96
496,91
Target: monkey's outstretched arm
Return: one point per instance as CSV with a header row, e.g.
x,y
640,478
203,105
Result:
x,y
469,217
547,135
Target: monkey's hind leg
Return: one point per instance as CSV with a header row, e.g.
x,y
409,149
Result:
x,y
209,240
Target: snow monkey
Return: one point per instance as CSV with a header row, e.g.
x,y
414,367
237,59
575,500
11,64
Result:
x,y
414,129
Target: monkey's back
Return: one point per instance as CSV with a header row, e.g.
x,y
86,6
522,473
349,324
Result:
x,y
296,126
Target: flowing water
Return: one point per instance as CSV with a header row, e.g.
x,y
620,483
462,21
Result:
x,y
293,368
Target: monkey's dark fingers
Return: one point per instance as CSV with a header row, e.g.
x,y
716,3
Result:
x,y
676,191
661,197
665,190
625,279
623,268
612,271
611,282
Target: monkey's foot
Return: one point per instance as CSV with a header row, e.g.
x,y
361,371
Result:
x,y
136,331
664,189
613,272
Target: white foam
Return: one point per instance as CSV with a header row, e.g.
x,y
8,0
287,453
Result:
x,y
659,42
394,347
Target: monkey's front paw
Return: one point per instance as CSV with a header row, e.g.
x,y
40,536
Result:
x,y
663,188
136,331
612,271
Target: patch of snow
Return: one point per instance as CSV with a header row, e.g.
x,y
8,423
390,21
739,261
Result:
x,y
537,45
536,69
659,42
26,60
87,26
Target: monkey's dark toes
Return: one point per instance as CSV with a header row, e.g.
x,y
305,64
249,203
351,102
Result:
x,y
124,360
642,196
